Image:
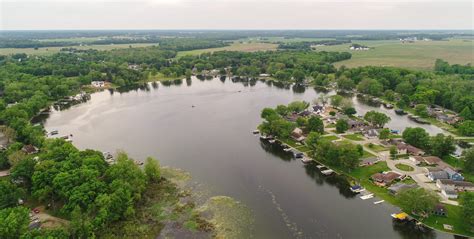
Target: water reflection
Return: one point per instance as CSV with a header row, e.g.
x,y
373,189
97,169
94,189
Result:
x,y
409,230
297,88
276,150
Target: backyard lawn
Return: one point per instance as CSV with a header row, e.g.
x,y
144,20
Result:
x,y
355,137
404,167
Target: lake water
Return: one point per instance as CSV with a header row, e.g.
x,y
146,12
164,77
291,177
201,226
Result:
x,y
213,141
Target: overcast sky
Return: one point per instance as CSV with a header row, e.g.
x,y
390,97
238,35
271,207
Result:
x,y
235,14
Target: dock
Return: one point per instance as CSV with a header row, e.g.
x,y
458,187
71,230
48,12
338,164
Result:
x,y
368,196
306,160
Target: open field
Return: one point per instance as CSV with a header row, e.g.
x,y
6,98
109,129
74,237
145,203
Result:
x,y
52,50
283,39
418,55
246,47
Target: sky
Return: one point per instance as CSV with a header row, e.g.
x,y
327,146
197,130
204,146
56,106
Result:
x,y
235,14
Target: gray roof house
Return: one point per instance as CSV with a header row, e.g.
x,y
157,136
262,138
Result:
x,y
398,187
435,175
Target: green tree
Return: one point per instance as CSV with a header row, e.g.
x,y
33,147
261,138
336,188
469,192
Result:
x,y
468,158
312,140
417,137
418,201
350,111
298,76
344,83
282,110
421,110
370,86
336,100
152,170
315,124
467,203
441,145
376,118
384,133
9,194
24,170
466,113
341,126
13,222
466,128
393,152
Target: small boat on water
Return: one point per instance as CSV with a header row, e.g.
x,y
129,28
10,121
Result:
x,y
357,189
327,172
272,141
399,216
368,196
378,202
263,136
287,149
388,106
54,132
319,166
256,131
306,160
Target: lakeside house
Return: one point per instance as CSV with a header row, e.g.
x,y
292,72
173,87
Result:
x,y
369,161
372,133
318,109
297,134
134,67
404,148
385,178
30,149
98,84
457,185
444,173
398,187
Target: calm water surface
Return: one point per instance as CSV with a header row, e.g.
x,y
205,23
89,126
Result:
x,y
213,141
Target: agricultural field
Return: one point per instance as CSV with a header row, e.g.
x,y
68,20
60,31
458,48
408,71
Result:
x,y
52,50
419,55
245,46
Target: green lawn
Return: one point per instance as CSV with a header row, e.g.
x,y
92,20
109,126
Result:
x,y
376,147
367,155
355,137
453,218
404,167
330,137
419,55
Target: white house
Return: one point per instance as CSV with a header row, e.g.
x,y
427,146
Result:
x,y
98,84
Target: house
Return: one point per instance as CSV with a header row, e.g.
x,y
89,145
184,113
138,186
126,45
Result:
x,y
436,173
318,109
372,133
398,187
414,150
417,159
459,186
304,113
453,175
385,178
401,148
354,123
431,160
369,161
449,193
264,75
30,149
134,67
297,134
439,210
98,84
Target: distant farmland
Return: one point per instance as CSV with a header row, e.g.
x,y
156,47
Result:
x,y
246,47
52,50
418,55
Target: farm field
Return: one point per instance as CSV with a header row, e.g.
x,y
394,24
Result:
x,y
246,47
52,50
418,55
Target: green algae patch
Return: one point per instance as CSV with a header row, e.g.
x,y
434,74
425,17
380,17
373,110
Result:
x,y
230,218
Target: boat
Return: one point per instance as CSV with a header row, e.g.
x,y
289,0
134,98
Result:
x,y
298,155
306,160
287,149
378,202
357,189
388,106
272,141
327,172
399,216
400,112
319,166
368,196
54,132
256,131
263,136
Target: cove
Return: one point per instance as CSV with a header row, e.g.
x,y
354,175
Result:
x,y
205,127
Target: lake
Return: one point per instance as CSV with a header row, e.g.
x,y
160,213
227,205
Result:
x,y
205,127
